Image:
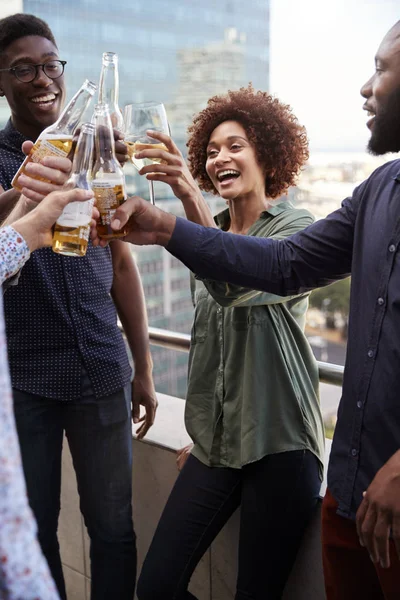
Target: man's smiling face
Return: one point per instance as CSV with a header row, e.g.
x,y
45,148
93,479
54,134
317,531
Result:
x,y
382,94
37,104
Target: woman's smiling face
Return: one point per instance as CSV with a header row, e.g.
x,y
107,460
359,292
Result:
x,y
232,164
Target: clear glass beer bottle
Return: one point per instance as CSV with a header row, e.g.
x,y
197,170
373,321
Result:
x,y
56,140
109,88
71,232
108,180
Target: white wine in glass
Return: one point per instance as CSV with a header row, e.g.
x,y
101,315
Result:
x,y
138,119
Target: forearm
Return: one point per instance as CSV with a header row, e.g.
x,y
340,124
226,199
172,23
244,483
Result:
x,y
14,251
229,295
198,211
8,200
127,293
21,207
311,258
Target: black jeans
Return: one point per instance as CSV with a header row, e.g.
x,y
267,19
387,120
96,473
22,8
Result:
x,y
277,496
100,439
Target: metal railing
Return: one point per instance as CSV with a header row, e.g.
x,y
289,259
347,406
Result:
x,y
328,372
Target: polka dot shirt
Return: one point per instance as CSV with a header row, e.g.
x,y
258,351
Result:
x,y
60,318
24,573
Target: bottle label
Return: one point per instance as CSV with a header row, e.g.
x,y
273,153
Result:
x,y
42,148
64,233
76,214
109,197
60,146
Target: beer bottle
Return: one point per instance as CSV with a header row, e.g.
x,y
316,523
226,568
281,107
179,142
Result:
x,y
56,140
109,88
108,180
71,232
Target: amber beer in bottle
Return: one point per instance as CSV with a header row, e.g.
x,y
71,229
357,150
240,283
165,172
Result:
x,y
71,232
56,140
108,181
109,88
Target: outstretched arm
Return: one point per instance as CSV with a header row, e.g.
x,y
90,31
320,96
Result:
x,y
312,258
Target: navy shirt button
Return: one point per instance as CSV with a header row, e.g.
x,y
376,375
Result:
x,y
381,301
354,452
359,404
370,353
392,248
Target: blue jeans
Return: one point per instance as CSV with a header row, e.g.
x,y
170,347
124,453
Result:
x,y
100,440
277,496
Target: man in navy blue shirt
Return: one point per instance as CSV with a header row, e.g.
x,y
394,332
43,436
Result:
x,y
68,362
361,510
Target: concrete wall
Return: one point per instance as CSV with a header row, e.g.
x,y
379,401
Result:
x,y
153,477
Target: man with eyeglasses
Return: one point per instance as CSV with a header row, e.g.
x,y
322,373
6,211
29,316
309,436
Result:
x,y
68,363
53,69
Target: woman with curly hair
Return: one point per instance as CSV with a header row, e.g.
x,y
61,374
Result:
x,y
252,405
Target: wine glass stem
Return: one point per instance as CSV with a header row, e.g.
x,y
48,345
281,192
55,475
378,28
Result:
x,y
151,193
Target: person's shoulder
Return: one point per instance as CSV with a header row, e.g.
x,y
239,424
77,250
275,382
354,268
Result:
x,y
10,141
387,170
383,175
4,142
290,213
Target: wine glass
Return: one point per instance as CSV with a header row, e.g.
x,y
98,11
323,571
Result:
x,y
138,118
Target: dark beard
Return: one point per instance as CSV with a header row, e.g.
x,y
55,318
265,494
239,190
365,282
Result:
x,y
385,135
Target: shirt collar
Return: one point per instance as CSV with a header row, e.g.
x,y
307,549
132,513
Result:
x,y
276,207
15,137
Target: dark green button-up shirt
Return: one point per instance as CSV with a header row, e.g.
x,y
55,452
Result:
x,y
253,379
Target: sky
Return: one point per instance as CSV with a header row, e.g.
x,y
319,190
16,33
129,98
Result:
x,y
322,51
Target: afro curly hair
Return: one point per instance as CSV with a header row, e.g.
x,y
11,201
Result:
x,y
280,142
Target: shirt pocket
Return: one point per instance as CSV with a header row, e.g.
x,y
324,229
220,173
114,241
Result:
x,y
245,317
201,317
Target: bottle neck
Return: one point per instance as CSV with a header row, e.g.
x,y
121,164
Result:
x,y
109,85
105,146
83,156
72,113
109,92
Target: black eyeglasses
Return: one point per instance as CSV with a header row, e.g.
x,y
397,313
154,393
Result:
x,y
27,73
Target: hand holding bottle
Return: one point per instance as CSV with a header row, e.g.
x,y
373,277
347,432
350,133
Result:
x,y
56,140
55,169
121,151
36,226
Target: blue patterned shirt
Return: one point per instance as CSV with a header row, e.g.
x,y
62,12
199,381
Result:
x,y
60,318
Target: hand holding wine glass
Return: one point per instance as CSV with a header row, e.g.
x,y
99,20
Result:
x,y
164,162
138,120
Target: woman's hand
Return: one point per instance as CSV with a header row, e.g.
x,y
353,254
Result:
x,y
173,170
182,455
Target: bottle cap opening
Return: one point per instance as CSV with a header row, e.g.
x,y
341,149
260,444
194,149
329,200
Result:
x,y
89,86
87,128
111,57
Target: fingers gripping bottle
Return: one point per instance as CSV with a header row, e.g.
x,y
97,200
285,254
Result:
x,y
108,180
109,88
56,140
71,232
